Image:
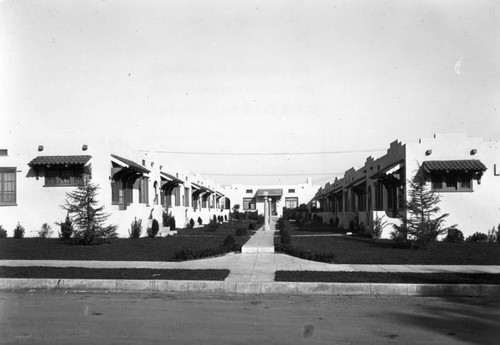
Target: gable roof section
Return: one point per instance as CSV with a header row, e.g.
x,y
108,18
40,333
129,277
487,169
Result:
x,y
59,160
131,164
472,165
171,177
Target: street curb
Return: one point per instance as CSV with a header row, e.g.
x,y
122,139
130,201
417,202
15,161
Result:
x,y
267,288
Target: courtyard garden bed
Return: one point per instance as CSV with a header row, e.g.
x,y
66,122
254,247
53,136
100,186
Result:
x,y
392,278
108,273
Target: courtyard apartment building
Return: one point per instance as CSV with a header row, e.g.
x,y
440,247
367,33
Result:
x,y
35,177
465,171
251,197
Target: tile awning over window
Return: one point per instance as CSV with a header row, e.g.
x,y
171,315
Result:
x,y
467,165
130,164
270,192
171,177
59,160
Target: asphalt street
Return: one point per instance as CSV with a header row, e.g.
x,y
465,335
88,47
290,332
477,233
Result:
x,y
57,317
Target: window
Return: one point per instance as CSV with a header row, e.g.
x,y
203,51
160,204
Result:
x,y
177,196
3,152
143,187
291,202
7,186
291,190
248,204
249,191
62,176
452,183
186,200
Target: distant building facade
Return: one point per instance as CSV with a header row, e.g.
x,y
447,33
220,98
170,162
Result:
x,y
251,197
464,171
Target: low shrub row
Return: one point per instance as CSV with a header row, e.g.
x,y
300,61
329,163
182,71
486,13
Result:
x,y
229,245
285,246
327,257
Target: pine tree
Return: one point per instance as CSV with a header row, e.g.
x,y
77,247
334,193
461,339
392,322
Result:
x,y
424,221
88,219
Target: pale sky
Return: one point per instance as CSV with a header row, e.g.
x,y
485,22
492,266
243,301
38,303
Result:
x,y
252,76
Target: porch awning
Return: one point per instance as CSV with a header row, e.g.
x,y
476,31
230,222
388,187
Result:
x,y
200,188
127,163
358,186
390,170
218,194
270,192
468,165
169,177
59,160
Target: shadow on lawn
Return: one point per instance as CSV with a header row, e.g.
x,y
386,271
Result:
x,y
471,320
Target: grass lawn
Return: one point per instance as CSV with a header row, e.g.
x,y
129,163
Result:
x,y
143,249
349,250
120,273
394,278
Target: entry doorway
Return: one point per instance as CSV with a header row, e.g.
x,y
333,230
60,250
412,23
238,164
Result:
x,y
273,207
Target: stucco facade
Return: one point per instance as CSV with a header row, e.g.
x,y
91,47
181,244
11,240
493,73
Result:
x,y
464,171
132,184
251,197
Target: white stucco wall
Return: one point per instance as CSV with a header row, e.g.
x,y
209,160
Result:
x,y
478,210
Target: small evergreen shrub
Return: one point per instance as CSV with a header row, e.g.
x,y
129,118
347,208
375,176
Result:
x,y
200,221
252,226
285,239
352,227
135,229
241,232
3,232
172,223
375,231
229,243
45,231
19,231
454,236
477,237
191,223
214,218
213,225
225,217
166,216
155,228
331,222
66,229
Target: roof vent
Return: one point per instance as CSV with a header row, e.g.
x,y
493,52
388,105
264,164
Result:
x,y
473,152
40,147
85,147
428,152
